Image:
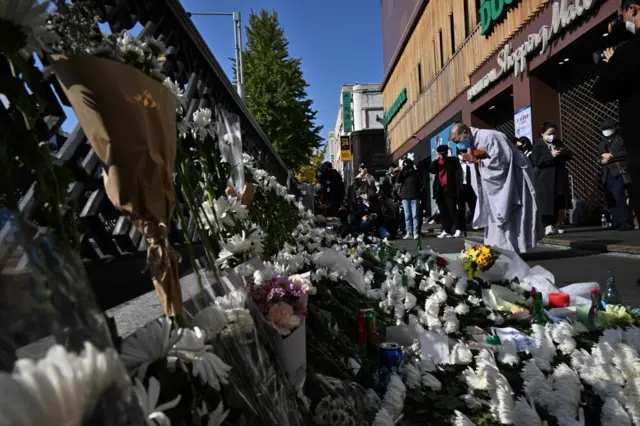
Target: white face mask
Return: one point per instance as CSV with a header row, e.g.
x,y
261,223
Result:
x,y
548,138
631,27
608,132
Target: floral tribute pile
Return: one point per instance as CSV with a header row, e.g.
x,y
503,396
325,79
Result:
x,y
275,334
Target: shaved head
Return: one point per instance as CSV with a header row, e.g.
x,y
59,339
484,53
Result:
x,y
458,130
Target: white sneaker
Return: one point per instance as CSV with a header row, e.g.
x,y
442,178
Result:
x,y
458,234
408,237
558,230
549,230
415,236
444,235
431,222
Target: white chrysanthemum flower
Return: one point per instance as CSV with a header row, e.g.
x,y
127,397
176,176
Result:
x,y
626,359
431,306
567,393
413,376
472,401
613,413
631,399
474,301
526,414
537,387
613,336
461,354
461,420
149,343
447,281
148,400
62,388
562,333
211,319
233,300
201,122
451,323
383,418
29,17
462,308
502,404
508,353
240,244
475,380
461,287
240,319
543,349
632,337
430,381
206,365
177,91
496,317
393,400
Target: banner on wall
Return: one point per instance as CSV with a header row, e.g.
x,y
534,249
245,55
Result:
x,y
522,122
442,138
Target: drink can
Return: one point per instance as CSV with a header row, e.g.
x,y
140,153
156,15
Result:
x,y
389,362
366,327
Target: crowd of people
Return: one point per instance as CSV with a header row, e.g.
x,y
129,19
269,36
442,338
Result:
x,y
515,189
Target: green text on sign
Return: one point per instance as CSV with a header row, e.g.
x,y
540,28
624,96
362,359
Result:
x,y
347,113
395,106
494,11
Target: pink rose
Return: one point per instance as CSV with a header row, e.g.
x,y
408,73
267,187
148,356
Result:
x,y
281,315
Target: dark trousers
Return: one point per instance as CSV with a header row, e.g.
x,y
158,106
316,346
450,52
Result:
x,y
467,197
634,188
552,219
616,198
449,214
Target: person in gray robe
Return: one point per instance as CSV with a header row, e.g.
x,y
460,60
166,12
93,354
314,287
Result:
x,y
506,206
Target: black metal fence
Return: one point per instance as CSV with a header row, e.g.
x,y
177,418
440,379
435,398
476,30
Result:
x,y
112,248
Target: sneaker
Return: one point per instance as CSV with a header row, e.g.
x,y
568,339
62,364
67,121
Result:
x,y
431,222
558,230
549,230
458,234
415,236
408,237
444,235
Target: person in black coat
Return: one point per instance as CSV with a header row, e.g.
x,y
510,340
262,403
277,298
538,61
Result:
x,y
614,176
446,192
525,146
332,188
549,157
410,193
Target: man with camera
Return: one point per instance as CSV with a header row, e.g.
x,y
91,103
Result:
x,y
619,81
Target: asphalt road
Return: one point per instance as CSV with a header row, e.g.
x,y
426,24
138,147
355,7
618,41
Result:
x,y
568,265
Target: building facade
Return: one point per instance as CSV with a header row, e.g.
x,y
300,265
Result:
x,y
506,65
359,120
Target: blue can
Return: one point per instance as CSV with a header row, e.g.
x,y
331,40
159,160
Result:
x,y
389,362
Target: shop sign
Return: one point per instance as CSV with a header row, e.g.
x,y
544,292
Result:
x,y
515,60
395,107
347,112
522,122
345,148
492,12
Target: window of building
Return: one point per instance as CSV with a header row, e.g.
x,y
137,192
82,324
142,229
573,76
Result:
x,y
435,57
441,50
453,35
420,78
467,19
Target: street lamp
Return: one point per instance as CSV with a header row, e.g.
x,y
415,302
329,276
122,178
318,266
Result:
x,y
237,37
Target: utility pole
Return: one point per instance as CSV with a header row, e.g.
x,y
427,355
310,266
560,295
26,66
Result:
x,y
237,38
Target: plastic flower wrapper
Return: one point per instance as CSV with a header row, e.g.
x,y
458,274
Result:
x,y
257,389
59,365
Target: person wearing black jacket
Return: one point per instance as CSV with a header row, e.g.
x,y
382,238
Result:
x,y
410,192
332,189
620,81
614,177
446,192
549,157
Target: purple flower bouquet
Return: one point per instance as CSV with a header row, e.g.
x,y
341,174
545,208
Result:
x,y
282,303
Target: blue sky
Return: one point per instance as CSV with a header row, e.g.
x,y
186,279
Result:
x,y
339,42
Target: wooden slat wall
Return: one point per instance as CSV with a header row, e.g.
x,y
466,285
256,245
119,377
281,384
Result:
x,y
443,85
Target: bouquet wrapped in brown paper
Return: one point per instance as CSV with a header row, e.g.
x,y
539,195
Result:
x,y
130,121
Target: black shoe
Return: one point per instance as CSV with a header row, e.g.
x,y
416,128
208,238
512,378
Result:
x,y
626,227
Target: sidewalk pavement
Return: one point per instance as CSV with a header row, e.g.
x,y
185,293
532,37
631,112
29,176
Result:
x,y
579,237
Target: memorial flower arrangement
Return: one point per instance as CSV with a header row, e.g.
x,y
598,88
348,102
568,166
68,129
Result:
x,y
478,259
282,301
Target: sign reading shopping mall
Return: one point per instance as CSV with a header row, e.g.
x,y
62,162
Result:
x,y
516,60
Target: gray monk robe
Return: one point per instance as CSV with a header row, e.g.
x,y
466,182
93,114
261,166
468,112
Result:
x,y
506,206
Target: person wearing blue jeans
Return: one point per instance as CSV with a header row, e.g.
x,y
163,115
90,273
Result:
x,y
410,191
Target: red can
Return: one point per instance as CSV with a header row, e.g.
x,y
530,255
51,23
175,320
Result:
x,y
559,300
